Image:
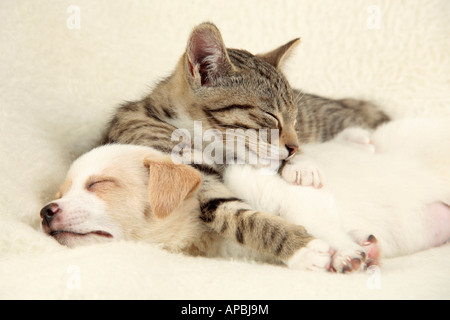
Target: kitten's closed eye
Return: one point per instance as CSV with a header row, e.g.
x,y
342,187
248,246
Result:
x,y
275,118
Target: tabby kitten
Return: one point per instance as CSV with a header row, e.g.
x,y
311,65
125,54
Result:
x,y
228,89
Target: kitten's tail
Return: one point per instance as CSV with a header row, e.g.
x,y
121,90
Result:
x,y
368,114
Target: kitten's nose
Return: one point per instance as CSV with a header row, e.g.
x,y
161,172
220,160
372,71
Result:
x,y
291,148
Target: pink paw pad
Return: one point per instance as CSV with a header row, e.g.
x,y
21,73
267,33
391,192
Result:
x,y
344,261
372,251
369,245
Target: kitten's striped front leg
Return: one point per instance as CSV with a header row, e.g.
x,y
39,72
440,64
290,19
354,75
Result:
x,y
267,234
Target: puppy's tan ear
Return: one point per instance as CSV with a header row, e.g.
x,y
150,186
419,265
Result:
x,y
170,184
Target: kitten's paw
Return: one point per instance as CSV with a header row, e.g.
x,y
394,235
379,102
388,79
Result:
x,y
316,255
358,137
303,173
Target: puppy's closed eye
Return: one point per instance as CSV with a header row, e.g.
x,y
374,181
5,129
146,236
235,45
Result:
x,y
96,183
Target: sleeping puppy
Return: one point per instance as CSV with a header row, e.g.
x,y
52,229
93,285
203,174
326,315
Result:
x,y
133,192
400,194
110,194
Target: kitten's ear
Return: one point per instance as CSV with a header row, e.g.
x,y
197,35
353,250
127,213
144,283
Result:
x,y
207,57
277,57
169,184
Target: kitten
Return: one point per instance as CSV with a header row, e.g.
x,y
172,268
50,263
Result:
x,y
228,89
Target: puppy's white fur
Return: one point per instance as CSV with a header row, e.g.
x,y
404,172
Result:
x,y
394,193
125,209
121,210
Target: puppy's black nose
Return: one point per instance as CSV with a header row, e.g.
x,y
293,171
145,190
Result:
x,y
49,212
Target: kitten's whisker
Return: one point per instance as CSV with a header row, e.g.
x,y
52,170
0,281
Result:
x,y
300,95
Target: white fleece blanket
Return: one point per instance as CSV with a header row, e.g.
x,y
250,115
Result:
x,y
66,65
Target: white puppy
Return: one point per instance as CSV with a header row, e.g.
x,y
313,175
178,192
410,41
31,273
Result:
x,y
397,193
132,192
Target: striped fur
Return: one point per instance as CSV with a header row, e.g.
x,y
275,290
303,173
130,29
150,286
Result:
x,y
320,119
229,88
234,219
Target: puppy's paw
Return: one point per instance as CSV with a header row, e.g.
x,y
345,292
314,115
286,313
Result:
x,y
303,173
349,260
358,137
369,245
315,256
359,256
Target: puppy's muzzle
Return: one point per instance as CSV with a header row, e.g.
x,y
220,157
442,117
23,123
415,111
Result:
x,y
48,213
